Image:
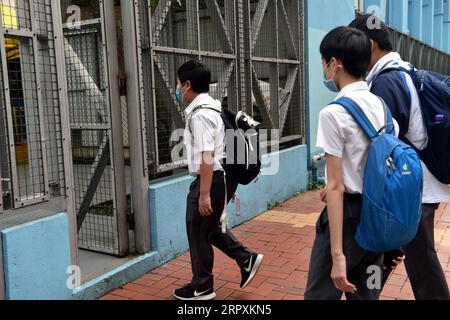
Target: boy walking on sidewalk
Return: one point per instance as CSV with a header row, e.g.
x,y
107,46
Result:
x,y
398,90
211,191
338,264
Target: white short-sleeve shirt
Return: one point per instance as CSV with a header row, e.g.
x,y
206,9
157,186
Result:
x,y
341,136
205,131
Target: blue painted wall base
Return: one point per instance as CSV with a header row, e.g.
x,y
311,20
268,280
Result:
x,y
36,256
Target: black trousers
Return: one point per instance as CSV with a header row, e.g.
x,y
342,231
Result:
x,y
421,261
320,285
205,232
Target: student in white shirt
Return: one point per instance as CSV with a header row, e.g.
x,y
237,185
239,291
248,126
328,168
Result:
x,y
211,190
422,264
338,264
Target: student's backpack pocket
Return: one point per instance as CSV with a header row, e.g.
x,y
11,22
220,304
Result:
x,y
372,231
437,154
380,231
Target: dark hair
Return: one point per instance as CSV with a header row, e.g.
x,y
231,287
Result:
x,y
375,29
350,46
197,74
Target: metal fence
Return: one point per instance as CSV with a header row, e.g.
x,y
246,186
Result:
x,y
420,54
253,48
34,154
96,126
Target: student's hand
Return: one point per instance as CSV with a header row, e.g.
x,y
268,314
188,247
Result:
x,y
398,261
323,195
394,263
339,275
204,205
393,259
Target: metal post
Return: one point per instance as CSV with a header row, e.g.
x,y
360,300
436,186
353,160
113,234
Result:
x,y
274,67
40,111
12,152
65,127
230,23
302,55
192,25
115,114
2,275
136,126
245,74
154,27
3,142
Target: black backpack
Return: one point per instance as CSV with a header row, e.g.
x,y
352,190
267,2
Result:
x,y
434,95
242,162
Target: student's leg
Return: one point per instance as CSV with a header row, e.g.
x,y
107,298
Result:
x,y
192,207
388,265
320,285
422,263
227,243
367,277
360,264
199,230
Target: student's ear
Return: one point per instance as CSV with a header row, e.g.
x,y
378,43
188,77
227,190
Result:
x,y
373,45
338,63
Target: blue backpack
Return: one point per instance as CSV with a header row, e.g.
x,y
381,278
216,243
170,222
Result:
x,y
392,192
434,94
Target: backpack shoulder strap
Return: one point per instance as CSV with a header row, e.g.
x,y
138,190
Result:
x,y
204,107
389,120
359,116
198,108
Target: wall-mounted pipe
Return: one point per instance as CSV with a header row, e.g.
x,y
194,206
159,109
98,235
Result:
x,y
315,161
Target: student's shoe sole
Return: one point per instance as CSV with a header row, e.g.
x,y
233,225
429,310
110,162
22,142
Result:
x,y
211,296
255,269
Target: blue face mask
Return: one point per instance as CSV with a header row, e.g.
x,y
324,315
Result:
x,y
331,84
179,96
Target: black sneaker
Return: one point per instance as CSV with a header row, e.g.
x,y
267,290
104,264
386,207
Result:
x,y
249,272
188,293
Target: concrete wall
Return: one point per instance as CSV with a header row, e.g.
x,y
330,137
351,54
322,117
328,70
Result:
x,y
323,16
168,200
36,256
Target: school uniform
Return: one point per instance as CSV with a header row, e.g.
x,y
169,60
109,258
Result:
x,y
205,132
341,136
422,264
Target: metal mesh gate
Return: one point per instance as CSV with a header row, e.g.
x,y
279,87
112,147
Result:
x,y
34,155
277,73
253,48
178,32
96,129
